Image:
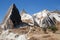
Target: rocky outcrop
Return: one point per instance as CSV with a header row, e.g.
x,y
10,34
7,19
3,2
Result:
x,y
12,18
25,17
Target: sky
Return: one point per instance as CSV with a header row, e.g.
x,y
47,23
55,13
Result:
x,y
30,6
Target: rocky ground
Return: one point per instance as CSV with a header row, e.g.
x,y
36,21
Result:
x,y
28,33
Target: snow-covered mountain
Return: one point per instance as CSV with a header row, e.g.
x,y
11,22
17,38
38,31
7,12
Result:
x,y
27,18
44,18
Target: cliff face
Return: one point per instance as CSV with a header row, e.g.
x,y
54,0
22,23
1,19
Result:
x,y
15,16
12,18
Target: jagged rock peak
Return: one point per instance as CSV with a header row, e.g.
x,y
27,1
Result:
x,y
12,16
13,5
45,11
23,12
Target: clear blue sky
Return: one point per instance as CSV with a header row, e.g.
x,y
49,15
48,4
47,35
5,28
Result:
x,y
31,6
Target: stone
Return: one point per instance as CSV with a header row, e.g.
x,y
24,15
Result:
x,y
12,18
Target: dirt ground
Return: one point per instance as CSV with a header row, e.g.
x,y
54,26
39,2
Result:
x,y
37,33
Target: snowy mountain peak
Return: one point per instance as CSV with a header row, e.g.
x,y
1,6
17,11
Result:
x,y
41,14
45,10
27,18
42,18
